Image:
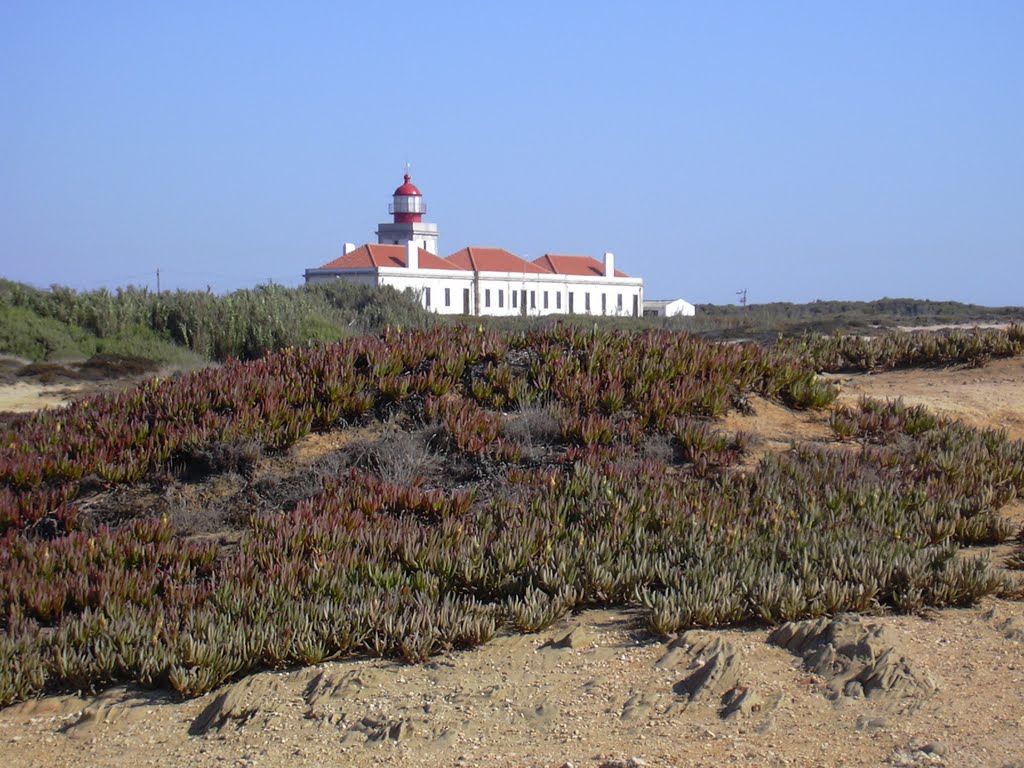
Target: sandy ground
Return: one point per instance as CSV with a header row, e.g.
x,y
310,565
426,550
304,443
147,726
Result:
x,y
992,396
516,702
22,396
611,697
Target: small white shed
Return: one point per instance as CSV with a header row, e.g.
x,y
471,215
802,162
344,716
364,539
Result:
x,y
669,308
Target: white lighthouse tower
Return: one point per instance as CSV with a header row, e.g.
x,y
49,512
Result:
x,y
407,226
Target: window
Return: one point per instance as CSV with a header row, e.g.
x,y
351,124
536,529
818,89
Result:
x,y
487,297
515,299
558,299
426,297
448,297
604,303
533,299
586,301
501,298
545,299
620,302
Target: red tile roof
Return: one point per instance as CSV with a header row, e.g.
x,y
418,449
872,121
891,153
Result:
x,y
493,260
371,256
583,266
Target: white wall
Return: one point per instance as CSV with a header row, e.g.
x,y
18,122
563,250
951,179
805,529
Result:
x,y
430,284
506,294
676,308
681,307
421,233
493,291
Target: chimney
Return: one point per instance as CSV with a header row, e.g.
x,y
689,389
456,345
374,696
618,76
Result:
x,y
349,247
412,255
609,264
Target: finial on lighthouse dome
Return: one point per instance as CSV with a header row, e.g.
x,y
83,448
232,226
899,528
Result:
x,y
408,206
408,188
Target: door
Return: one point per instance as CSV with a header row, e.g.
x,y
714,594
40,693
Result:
x,y
522,303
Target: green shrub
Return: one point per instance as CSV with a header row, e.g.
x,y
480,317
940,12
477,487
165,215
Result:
x,y
26,334
810,391
244,324
141,342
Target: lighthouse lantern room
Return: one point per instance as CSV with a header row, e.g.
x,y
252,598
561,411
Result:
x,y
407,225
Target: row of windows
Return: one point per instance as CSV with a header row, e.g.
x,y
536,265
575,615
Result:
x,y
533,299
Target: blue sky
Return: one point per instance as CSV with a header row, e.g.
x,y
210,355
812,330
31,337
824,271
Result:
x,y
800,150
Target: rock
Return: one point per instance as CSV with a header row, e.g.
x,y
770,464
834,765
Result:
x,y
853,690
576,638
238,704
113,706
855,660
890,673
1013,630
824,661
347,685
399,727
845,633
917,756
683,648
1009,627
542,713
936,748
689,639
672,657
715,670
90,718
740,701
851,639
872,724
793,635
376,730
327,692
56,706
641,706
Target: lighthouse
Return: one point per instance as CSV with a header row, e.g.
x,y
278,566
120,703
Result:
x,y
407,226
478,281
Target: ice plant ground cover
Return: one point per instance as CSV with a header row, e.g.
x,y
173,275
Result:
x,y
630,494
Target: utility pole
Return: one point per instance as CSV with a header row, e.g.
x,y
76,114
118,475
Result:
x,y
743,297
158,281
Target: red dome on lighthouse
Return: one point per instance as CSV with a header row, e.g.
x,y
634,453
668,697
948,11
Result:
x,y
408,189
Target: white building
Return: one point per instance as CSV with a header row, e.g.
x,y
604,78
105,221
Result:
x,y
480,281
668,308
